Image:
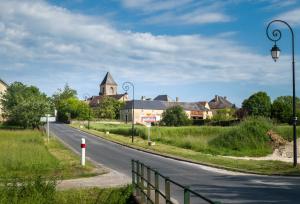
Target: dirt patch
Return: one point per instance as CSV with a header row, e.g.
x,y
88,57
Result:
x,y
277,140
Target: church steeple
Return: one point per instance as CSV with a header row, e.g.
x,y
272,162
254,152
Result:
x,y
108,86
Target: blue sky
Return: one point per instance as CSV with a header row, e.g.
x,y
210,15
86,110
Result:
x,y
189,48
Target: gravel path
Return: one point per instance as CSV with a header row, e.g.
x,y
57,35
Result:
x,y
111,179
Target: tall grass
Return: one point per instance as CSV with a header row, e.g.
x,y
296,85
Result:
x,y
286,131
39,190
249,138
23,152
35,190
189,137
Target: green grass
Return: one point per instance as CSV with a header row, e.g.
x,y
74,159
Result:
x,y
249,138
189,137
25,153
254,166
40,190
286,131
95,195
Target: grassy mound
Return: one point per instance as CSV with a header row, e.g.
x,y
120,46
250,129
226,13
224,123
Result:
x,y
247,139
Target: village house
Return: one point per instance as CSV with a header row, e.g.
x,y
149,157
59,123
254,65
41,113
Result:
x,y
220,102
151,110
3,87
108,88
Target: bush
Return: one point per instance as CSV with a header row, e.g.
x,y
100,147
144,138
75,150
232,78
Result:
x,y
175,116
249,138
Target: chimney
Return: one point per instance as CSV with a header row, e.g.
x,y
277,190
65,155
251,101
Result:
x,y
225,97
216,97
143,98
177,99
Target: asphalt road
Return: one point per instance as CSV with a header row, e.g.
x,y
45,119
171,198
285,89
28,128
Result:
x,y
217,185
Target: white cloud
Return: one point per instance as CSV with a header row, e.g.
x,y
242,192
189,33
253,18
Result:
x,y
179,12
68,47
292,16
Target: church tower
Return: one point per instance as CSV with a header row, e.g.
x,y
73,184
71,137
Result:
x,y
108,86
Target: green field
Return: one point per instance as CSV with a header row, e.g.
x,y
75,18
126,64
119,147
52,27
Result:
x,y
26,153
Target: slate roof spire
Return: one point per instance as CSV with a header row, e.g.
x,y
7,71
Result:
x,y
108,80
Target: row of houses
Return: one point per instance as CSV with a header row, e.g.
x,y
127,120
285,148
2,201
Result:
x,y
147,109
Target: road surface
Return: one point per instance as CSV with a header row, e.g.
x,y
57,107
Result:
x,y
223,186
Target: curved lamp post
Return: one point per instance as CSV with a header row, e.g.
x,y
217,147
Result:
x,y
86,98
275,52
126,87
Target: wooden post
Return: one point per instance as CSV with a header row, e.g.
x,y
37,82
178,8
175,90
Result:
x,y
167,190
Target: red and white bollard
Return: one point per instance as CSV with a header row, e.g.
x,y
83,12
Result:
x,y
83,146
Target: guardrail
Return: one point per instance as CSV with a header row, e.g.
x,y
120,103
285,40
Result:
x,y
147,186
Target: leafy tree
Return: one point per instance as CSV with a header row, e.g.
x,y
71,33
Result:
x,y
73,108
24,105
69,106
108,108
282,109
64,94
224,114
175,116
258,104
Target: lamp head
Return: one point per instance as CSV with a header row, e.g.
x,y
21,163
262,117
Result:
x,y
275,52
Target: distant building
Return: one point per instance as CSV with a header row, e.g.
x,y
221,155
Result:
x,y
151,110
108,88
220,102
3,88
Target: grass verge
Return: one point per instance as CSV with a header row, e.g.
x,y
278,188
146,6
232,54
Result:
x,y
249,166
40,190
26,153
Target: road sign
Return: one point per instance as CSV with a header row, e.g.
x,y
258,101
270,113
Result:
x,y
149,119
50,119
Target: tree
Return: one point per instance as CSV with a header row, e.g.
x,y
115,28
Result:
x,y
69,106
282,109
258,104
72,108
224,114
108,108
64,94
175,116
24,105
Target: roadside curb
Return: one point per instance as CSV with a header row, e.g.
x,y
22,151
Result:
x,y
183,159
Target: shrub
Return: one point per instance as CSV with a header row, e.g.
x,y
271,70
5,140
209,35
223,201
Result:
x,y
175,116
249,138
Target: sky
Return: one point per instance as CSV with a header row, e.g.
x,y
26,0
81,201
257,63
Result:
x,y
189,49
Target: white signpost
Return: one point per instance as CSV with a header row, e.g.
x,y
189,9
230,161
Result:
x,y
48,119
148,120
83,146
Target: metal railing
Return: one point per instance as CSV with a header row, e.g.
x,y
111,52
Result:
x,y
147,188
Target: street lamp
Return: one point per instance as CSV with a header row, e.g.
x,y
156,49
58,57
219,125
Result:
x,y
275,52
126,86
87,96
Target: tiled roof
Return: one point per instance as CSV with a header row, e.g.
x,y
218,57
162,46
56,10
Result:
x,y
220,102
108,80
94,101
163,105
3,82
163,98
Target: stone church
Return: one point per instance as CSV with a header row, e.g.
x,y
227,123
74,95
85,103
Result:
x,y
108,88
